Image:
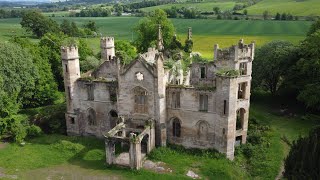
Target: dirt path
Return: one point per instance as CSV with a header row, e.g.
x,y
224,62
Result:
x,y
3,145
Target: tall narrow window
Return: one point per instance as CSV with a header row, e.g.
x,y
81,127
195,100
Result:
x,y
203,103
243,68
224,107
92,117
90,91
175,100
66,67
140,100
242,91
109,57
203,72
176,128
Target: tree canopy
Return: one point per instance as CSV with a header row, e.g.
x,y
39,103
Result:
x,y
147,30
38,24
17,78
270,64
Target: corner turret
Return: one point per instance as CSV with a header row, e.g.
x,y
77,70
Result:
x,y
107,48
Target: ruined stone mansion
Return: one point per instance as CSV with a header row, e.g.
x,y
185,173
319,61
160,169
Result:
x,y
146,104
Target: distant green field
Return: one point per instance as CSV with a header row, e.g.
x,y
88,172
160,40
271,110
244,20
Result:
x,y
295,7
206,32
203,6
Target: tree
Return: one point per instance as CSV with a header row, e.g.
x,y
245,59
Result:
x,y
245,12
118,9
283,16
50,46
17,78
91,25
265,15
147,30
314,27
303,161
126,51
38,24
308,71
65,27
277,17
216,10
74,30
270,64
45,90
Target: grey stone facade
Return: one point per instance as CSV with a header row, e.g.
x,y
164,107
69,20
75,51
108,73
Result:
x,y
205,107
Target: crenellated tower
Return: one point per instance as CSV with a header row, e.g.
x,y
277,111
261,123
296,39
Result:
x,y
107,48
71,72
234,67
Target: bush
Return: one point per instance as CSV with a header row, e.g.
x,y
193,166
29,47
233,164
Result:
x,y
13,128
34,131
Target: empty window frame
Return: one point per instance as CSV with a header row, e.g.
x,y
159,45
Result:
x,y
242,90
203,102
72,120
243,68
176,128
140,101
175,100
202,72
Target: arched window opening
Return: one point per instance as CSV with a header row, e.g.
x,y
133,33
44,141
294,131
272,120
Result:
x,y
176,128
140,100
203,131
92,117
240,119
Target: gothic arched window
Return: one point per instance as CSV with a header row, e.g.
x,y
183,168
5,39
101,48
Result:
x,y
92,117
176,127
140,100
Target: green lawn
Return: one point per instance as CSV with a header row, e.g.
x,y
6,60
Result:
x,y
295,7
206,32
58,155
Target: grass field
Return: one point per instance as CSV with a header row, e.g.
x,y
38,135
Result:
x,y
59,156
295,7
206,32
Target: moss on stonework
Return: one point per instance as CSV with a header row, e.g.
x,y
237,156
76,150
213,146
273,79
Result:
x,y
228,73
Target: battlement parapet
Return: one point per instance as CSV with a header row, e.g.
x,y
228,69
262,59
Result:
x,y
69,52
107,42
235,52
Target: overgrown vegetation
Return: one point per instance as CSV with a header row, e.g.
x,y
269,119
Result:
x,y
304,157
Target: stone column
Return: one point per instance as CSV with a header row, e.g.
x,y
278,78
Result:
x,y
110,151
135,152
